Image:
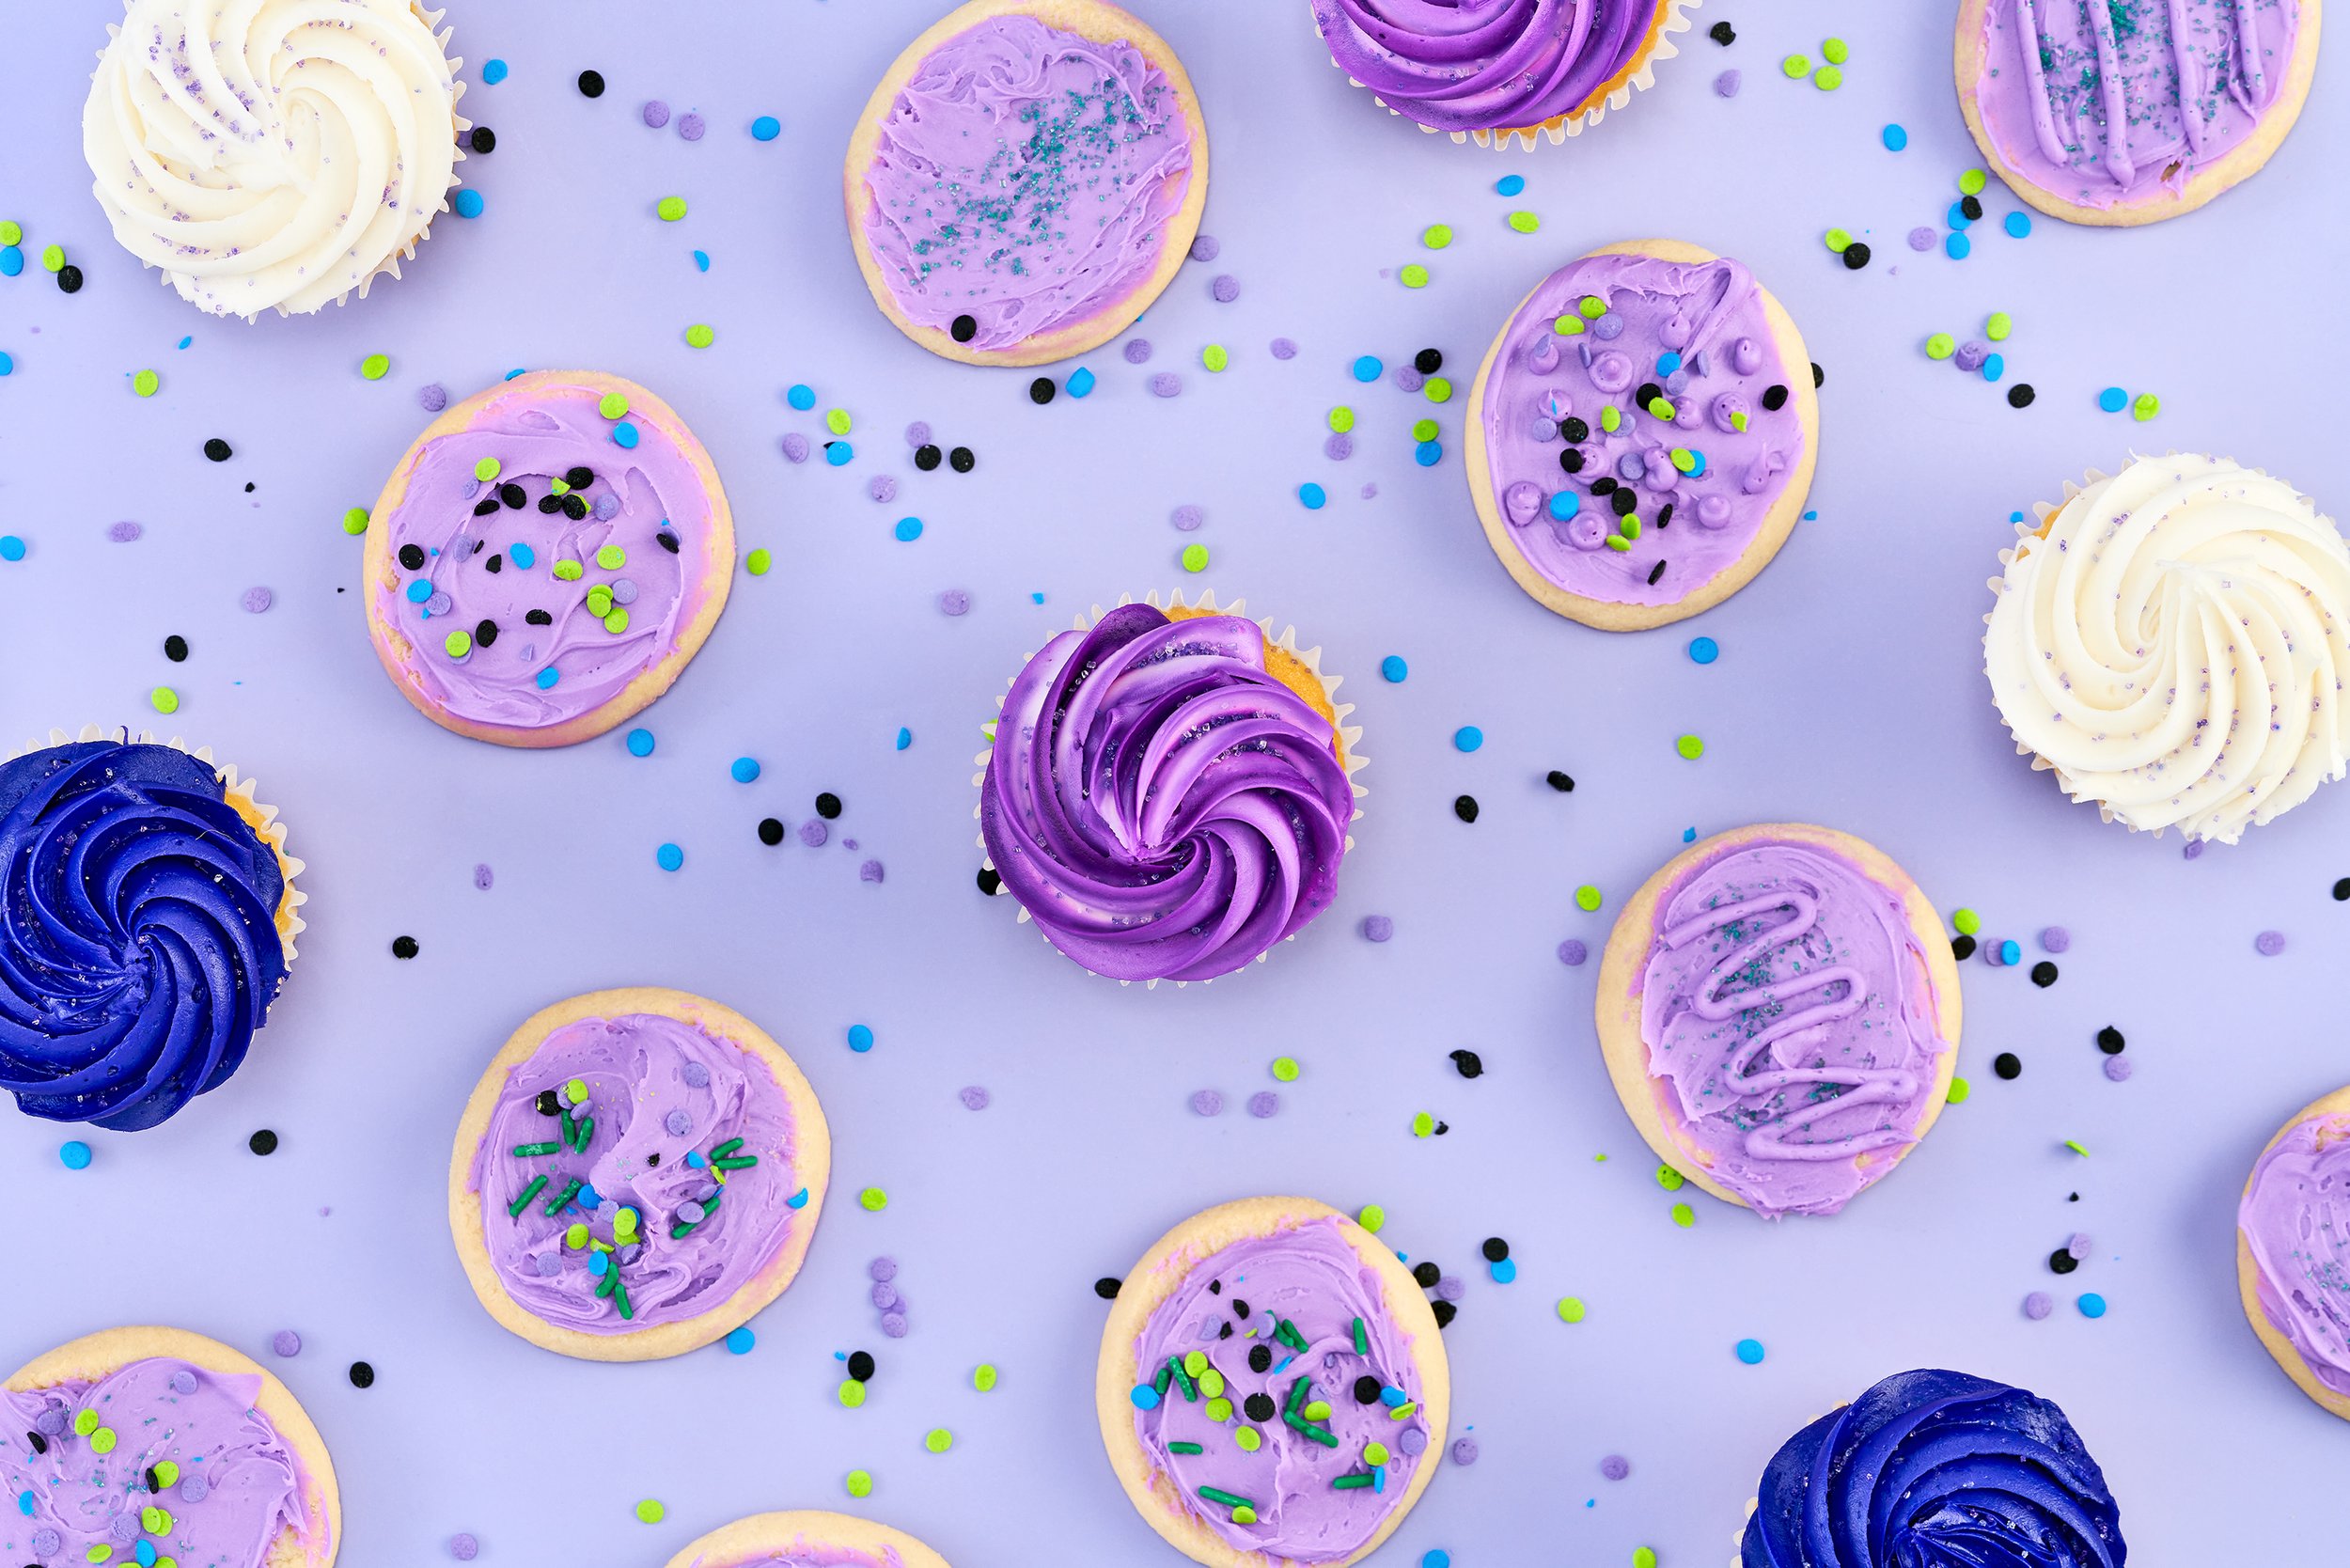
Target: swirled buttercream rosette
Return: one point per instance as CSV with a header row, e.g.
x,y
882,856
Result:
x,y
273,154
147,918
2171,641
1168,790
1934,1467
1501,73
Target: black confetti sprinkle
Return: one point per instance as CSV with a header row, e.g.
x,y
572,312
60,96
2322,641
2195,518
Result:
x,y
362,1376
1723,34
770,831
2044,974
1042,391
403,947
1465,807
1857,255
1468,1063
218,450
1105,1287
1961,947
828,805
176,648
2109,1041
961,460
483,139
990,882
1427,361
927,457
262,1143
861,1366
591,83
965,329
2020,395
2007,1064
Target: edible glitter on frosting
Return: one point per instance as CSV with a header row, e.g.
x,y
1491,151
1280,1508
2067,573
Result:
x,y
1489,64
159,1453
2173,642
1640,425
2117,102
1161,805
2295,1219
139,946
655,1152
271,154
1026,178
1934,1467
1319,1486
561,594
1791,1022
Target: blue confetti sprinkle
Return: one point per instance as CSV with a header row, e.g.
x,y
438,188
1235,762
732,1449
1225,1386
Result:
x,y
521,555
76,1157
2113,400
512,374
908,529
1957,214
624,433
1392,1396
766,128
1994,367
701,260
494,72
2019,224
669,857
598,1264
1565,505
1394,668
694,1160
1428,454
11,548
838,453
905,737
744,769
1667,362
468,203
185,341
548,677
24,1504
1957,245
7,365
1896,138
640,743
1313,496
802,396
419,590
1704,651
1750,1352
2092,1305
1505,1271
11,260
1468,737
1080,382
797,1201
740,1341
1509,184
1688,835
2011,951
1368,368
1144,1396
860,1039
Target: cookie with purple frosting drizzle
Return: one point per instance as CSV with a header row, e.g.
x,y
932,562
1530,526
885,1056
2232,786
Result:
x,y
152,1445
1780,1014
2123,112
1168,791
1642,434
1273,1388
547,558
805,1538
2293,1250
1025,180
636,1175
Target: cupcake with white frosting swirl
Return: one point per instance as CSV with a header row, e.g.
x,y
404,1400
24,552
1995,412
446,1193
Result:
x,y
273,154
2171,641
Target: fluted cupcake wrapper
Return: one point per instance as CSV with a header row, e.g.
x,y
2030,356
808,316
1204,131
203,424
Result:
x,y
238,792
1350,736
1673,18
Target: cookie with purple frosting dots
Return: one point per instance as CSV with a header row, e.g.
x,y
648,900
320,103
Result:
x,y
1168,791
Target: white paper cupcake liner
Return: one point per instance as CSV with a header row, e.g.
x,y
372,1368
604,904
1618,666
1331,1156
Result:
x,y
238,792
1350,736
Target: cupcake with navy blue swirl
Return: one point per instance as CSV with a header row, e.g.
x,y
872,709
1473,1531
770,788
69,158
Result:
x,y
147,918
1501,72
1168,791
1932,1467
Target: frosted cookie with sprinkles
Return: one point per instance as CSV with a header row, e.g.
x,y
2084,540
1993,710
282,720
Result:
x,y
2293,1250
1025,180
638,1172
805,1538
547,558
2123,112
155,1446
1272,1387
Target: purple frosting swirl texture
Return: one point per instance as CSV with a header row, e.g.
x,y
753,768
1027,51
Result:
x,y
1640,425
139,948
645,1215
1934,1467
1026,178
563,592
1791,1019
1487,64
1162,807
189,1468
2114,103
2296,1220
1298,1296
810,1556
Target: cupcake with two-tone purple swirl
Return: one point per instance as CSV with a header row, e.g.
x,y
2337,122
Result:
x,y
1500,73
1168,791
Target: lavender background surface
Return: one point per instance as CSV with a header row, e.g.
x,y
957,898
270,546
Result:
x,y
1849,692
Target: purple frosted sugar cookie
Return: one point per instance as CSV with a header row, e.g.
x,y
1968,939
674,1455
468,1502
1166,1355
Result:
x,y
1273,1386
638,1172
1168,795
2126,112
1779,1013
2292,1249
805,1539
1025,180
1641,434
546,559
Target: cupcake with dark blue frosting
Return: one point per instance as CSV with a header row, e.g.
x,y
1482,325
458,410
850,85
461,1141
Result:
x,y
147,918
1934,1467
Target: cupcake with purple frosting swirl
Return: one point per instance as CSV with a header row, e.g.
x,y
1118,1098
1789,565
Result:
x,y
1168,791
1502,71
147,918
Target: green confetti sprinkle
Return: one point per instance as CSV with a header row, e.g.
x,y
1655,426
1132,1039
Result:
x,y
1436,236
2145,407
1285,1069
487,469
757,562
1972,182
1591,307
1414,277
1423,1124
1372,1217
1684,1215
650,1511
1667,1177
163,700
1341,419
2075,1145
1837,51
1195,557
53,257
873,1200
1827,78
1438,390
858,1483
1839,240
1587,898
145,382
1426,430
355,522
938,1439
458,643
983,1377
1796,68
1966,922
1690,746
1997,326
1571,1309
1524,223
376,367
611,405
672,207
852,1394
837,421
1214,357
1960,1089
1941,346
698,336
